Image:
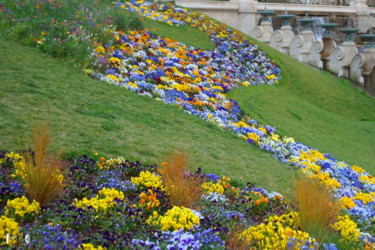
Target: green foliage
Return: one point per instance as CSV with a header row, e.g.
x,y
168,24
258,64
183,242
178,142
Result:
x,y
65,29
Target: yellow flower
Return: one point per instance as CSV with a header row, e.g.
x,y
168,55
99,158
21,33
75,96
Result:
x,y
113,77
148,179
100,49
114,60
367,179
102,201
210,187
92,247
276,232
19,207
253,137
347,202
175,219
9,226
364,197
357,169
312,156
347,228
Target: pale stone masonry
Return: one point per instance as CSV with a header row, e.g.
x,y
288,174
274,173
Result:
x,y
242,14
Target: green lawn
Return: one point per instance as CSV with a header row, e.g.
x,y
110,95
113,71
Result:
x,y
316,108
88,116
184,34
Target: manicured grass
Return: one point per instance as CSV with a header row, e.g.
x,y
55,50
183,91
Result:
x,y
184,34
316,108
88,116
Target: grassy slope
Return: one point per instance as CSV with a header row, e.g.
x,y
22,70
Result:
x,y
316,108
184,34
86,115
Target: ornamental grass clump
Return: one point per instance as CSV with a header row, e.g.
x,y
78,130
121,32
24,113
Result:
x,y
317,207
234,240
182,187
41,174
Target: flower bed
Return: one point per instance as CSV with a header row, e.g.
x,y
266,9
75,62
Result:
x,y
197,81
115,203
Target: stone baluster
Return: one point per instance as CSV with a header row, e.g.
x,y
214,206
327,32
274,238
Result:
x,y
340,59
301,44
264,31
281,39
362,68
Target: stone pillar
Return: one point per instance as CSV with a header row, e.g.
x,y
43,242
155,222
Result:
x,y
363,14
247,15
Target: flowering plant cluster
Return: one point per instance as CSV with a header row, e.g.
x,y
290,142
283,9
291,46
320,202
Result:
x,y
197,81
175,219
10,227
107,197
136,217
21,209
280,232
148,180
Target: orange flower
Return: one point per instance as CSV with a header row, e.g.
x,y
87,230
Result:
x,y
102,159
257,202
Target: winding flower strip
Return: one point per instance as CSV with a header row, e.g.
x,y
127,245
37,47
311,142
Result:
x,y
197,81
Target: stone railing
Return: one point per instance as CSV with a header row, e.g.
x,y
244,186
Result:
x,y
242,14
344,60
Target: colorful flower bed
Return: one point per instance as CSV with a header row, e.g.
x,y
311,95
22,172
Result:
x,y
196,81
115,203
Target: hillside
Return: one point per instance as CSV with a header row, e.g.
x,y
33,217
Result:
x,y
88,116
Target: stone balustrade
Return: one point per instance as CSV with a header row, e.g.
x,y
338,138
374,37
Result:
x,y
242,14
343,60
